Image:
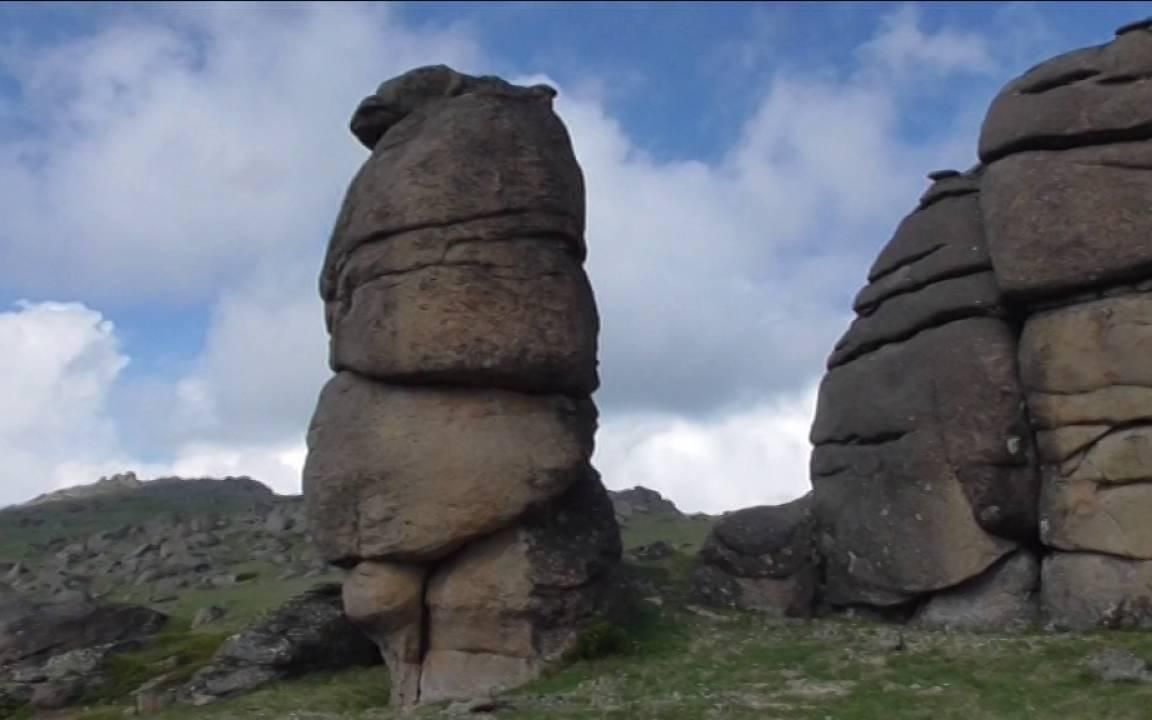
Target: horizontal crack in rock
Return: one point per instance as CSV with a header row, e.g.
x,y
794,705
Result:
x,y
931,323
904,262
1135,133
1062,80
868,309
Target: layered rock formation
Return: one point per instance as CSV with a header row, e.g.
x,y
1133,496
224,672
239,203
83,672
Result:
x,y
992,400
449,458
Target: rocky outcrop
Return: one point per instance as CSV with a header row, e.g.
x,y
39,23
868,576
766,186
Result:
x,y
641,501
992,398
306,634
31,631
53,654
117,483
921,465
449,458
162,539
761,558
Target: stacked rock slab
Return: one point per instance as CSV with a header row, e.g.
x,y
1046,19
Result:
x,y
1068,208
921,469
449,457
993,398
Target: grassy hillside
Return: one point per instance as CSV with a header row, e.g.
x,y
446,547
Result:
x,y
29,533
679,663
683,666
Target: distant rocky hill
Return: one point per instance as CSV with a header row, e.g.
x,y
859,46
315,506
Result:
x,y
214,556
103,486
166,540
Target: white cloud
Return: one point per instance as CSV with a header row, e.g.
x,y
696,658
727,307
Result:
x,y
200,155
58,364
176,155
903,47
757,456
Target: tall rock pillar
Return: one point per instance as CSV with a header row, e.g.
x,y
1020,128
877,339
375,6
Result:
x,y
448,459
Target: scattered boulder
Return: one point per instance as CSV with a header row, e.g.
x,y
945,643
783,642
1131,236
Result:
x,y
761,558
1118,666
308,633
641,501
52,655
33,631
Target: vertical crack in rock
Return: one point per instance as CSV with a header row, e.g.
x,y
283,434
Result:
x,y
459,427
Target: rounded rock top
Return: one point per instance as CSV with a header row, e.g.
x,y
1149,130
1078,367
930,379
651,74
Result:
x,y
409,92
1145,24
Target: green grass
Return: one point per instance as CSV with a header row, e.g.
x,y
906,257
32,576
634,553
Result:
x,y
684,533
180,654
677,666
325,695
242,603
674,665
671,663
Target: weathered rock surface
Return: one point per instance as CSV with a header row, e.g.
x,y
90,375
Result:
x,y
993,392
52,655
456,257
761,558
507,605
34,631
1004,598
922,467
449,460
920,470
1063,221
411,474
387,601
1090,391
1085,591
308,633
1091,96
423,308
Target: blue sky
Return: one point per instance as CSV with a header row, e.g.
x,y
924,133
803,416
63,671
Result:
x,y
169,173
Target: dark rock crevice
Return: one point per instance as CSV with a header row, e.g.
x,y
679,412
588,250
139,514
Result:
x,y
1057,81
1137,132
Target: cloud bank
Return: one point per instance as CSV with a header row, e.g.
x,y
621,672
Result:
x,y
196,157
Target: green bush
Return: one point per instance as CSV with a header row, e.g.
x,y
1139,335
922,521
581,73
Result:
x,y
599,640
